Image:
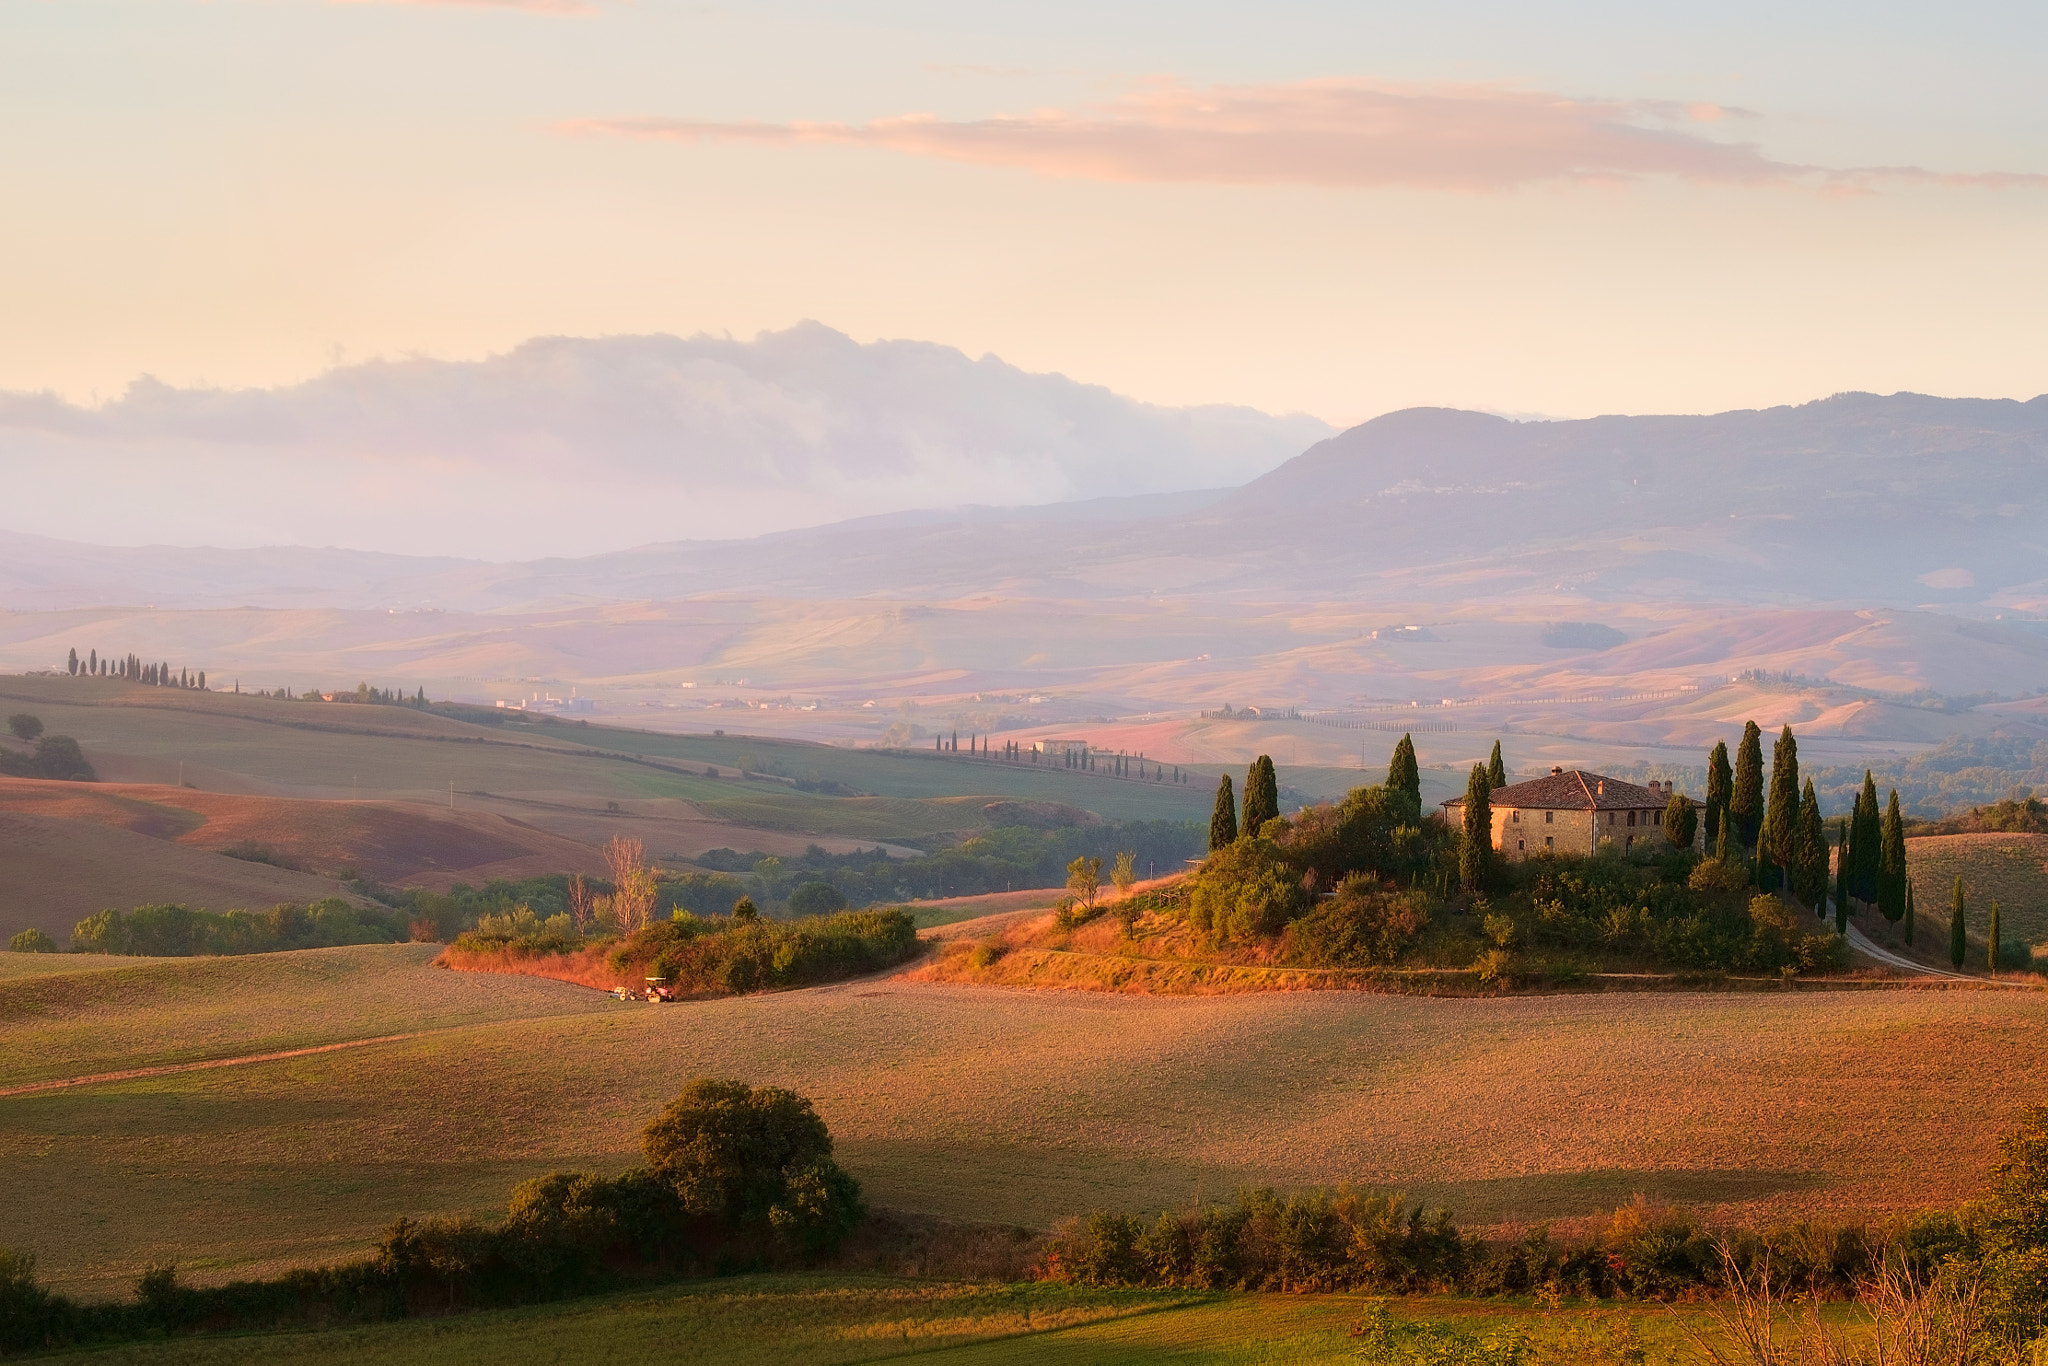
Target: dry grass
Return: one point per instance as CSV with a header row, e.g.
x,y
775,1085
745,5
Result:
x,y
2009,869
975,1103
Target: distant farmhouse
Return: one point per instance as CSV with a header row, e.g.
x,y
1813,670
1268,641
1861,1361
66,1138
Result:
x,y
1570,812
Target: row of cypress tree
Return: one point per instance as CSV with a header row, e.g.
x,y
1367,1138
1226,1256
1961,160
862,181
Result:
x,y
134,669
1782,829
1261,804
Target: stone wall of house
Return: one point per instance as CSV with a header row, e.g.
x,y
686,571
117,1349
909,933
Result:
x,y
1518,832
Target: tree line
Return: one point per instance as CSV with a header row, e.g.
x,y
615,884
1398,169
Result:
x,y
133,668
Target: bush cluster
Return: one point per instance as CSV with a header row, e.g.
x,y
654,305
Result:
x,y
735,1178
55,756
735,954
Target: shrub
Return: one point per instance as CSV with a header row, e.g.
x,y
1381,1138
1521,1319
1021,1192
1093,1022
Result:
x,y
1243,891
24,726
31,940
1363,925
757,1161
520,931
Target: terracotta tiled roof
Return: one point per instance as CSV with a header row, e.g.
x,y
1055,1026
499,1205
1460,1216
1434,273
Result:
x,y
1574,790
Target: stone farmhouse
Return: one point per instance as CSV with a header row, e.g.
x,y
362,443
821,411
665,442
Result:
x,y
1570,812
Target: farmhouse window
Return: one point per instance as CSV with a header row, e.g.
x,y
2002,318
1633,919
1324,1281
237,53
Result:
x,y
1631,818
1610,818
1546,842
1547,818
1515,816
1521,844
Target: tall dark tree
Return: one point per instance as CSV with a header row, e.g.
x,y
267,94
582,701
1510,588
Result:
x,y
1781,816
1868,841
1223,820
1496,770
1842,876
1891,863
1765,871
1725,846
72,665
1991,950
1810,854
1746,797
1681,820
1261,795
1909,913
1475,848
1403,775
1720,781
1958,933
92,662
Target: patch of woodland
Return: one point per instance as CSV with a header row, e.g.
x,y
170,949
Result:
x,y
2013,815
177,931
735,1179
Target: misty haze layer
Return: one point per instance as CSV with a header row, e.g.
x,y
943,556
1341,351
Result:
x,y
566,446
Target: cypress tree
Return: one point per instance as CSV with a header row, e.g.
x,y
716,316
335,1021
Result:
x,y
1869,825
1496,770
1781,817
1746,797
1766,872
1909,913
1223,820
1891,863
1842,877
92,665
1726,850
1991,952
1810,845
1958,942
1475,849
1681,821
1719,782
1404,775
73,665
1261,795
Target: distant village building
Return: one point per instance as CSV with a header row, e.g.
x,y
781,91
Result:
x,y
1570,812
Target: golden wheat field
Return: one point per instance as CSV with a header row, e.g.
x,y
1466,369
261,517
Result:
x,y
970,1102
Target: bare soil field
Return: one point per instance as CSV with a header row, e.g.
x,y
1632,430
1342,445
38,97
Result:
x,y
970,1102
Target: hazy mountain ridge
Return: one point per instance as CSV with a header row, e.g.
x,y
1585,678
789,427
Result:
x,y
1856,499
568,445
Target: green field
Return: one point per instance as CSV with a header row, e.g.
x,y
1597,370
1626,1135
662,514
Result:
x,y
964,1102
323,749
825,1320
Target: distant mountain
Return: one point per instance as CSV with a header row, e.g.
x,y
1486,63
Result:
x,y
1856,499
569,445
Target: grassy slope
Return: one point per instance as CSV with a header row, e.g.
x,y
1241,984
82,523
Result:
x,y
989,1104
2009,869
805,1321
304,747
56,872
825,1320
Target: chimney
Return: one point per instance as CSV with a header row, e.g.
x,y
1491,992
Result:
x,y
1554,772
1600,788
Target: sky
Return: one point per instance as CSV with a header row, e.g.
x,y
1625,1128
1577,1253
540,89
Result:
x,y
1334,209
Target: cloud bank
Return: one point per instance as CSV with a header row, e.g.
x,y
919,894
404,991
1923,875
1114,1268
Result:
x,y
566,446
1331,133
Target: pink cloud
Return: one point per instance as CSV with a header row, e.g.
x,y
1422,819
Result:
x,y
1326,133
